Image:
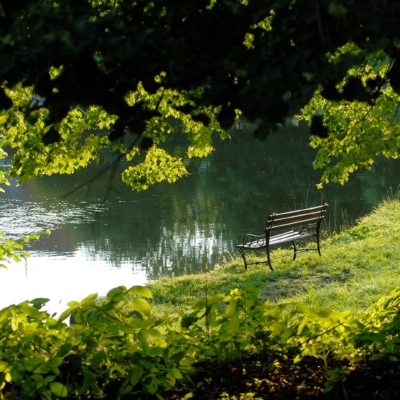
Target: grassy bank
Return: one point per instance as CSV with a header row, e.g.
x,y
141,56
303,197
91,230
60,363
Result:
x,y
357,266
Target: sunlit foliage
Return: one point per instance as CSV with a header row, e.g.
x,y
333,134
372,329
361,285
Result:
x,y
349,132
121,347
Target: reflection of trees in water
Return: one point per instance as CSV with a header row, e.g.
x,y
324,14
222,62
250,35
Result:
x,y
184,250
277,175
195,223
173,236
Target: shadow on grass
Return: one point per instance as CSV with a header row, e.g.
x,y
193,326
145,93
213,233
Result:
x,y
289,279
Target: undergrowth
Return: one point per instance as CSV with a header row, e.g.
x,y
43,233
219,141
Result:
x,y
114,353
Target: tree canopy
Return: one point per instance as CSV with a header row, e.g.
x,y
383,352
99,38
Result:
x,y
80,76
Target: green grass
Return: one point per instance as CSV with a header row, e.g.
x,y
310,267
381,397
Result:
x,y
357,267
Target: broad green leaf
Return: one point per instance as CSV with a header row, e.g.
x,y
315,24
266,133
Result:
x,y
4,366
231,308
15,322
141,305
39,302
302,325
141,291
59,389
89,300
117,293
65,314
135,376
35,365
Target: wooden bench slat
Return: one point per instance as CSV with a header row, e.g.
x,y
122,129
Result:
x,y
299,217
284,234
276,239
284,239
286,224
302,211
257,244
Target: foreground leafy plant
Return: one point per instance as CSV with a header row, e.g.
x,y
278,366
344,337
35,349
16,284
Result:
x,y
114,347
14,249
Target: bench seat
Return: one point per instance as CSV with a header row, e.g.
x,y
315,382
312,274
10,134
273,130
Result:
x,y
277,239
304,224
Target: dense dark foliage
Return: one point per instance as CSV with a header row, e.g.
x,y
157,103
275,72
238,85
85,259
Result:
x,y
107,47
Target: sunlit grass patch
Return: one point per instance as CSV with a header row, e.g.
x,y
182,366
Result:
x,y
357,266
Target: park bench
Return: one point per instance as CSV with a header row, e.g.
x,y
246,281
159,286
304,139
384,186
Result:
x,y
289,227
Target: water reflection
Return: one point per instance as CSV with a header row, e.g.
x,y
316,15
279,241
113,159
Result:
x,y
63,278
19,218
187,227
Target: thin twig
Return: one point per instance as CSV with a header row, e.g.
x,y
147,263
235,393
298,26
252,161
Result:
x,y
319,22
113,166
91,180
395,113
320,334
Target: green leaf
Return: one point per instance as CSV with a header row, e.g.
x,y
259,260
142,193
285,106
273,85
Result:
x,y
135,376
14,323
39,302
141,291
376,357
230,310
117,293
302,325
141,306
58,389
35,365
65,314
89,300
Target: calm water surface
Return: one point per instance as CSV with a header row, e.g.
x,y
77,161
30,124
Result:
x,y
191,226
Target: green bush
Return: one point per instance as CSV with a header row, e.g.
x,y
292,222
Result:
x,y
116,349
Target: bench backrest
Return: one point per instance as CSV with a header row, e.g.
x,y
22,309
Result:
x,y
291,219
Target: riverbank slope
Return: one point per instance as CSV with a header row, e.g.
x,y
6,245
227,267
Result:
x,y
357,266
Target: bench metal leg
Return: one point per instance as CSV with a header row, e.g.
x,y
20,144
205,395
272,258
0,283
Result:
x,y
294,250
318,248
241,251
243,254
318,230
269,259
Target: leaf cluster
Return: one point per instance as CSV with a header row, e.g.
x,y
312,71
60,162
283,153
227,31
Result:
x,y
14,249
351,133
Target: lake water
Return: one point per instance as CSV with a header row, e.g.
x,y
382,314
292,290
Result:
x,y
191,226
